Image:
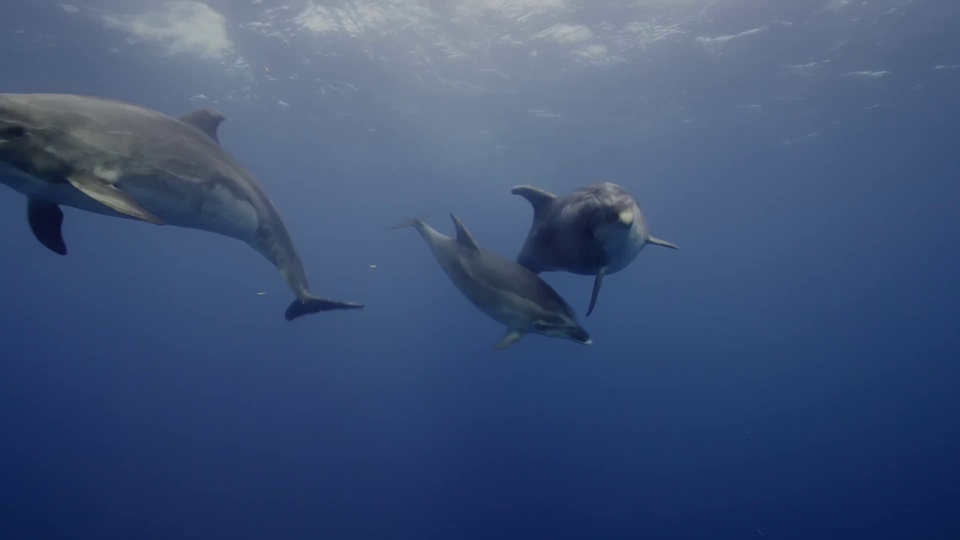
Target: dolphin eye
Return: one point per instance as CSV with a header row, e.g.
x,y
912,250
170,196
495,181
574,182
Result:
x,y
609,215
12,131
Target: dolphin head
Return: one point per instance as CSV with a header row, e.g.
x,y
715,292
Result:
x,y
11,131
561,326
16,126
15,142
31,139
614,215
13,125
14,116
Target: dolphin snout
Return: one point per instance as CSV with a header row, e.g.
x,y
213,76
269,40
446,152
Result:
x,y
581,336
615,215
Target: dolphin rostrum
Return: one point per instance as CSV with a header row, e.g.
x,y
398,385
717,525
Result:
x,y
123,160
596,230
505,291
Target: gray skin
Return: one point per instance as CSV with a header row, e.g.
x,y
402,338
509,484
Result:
x,y
597,230
505,291
122,160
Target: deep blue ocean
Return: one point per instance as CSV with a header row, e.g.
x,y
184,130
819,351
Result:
x,y
791,372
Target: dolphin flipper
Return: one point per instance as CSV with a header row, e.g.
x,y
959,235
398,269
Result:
x,y
508,339
315,304
106,194
596,289
538,198
664,243
45,221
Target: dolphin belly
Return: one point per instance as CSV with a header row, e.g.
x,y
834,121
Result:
x,y
60,193
209,206
504,306
622,251
620,260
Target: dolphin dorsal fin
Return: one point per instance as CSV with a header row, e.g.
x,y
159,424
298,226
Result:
x,y
206,120
463,235
538,198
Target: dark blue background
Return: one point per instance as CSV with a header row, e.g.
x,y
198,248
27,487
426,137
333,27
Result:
x,y
790,372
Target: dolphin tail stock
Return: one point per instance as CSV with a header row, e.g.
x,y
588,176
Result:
x,y
315,304
658,242
420,224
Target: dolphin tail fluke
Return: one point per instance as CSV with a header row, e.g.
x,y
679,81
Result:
x,y
597,283
664,243
315,304
414,222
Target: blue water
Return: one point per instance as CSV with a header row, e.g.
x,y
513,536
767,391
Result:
x,y
790,372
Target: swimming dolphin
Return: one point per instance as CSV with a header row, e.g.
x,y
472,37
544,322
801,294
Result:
x,y
596,230
505,291
122,160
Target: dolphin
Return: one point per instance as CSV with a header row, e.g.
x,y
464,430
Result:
x,y
122,160
505,291
597,230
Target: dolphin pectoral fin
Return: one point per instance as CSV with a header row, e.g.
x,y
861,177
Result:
x,y
537,197
508,339
45,221
315,304
664,243
597,283
104,193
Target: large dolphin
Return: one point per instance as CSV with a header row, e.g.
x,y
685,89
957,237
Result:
x,y
122,160
597,230
505,291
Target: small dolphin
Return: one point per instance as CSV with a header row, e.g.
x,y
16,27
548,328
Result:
x,y
596,230
507,292
122,160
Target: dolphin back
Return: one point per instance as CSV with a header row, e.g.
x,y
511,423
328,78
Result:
x,y
140,140
506,277
484,277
